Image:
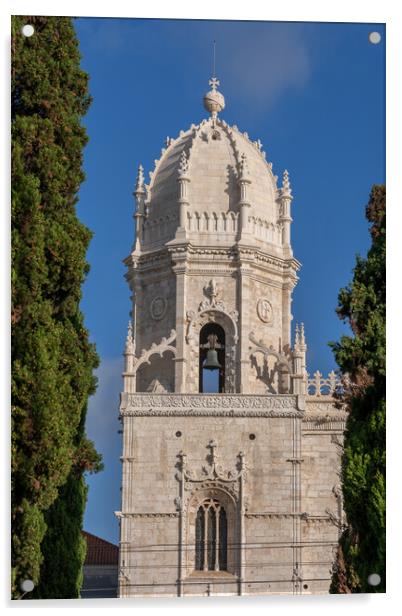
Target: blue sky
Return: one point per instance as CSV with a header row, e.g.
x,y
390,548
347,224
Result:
x,y
314,93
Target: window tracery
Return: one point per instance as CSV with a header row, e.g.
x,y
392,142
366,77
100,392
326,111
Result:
x,y
211,537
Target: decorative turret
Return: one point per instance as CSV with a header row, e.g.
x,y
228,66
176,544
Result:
x,y
139,195
285,199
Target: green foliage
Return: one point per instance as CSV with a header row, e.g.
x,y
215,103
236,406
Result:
x,y
63,544
362,357
64,548
52,358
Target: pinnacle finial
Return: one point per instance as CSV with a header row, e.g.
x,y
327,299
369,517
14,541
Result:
x,y
244,170
286,189
183,164
129,348
139,186
297,335
302,337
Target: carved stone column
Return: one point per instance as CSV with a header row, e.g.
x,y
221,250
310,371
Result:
x,y
183,180
242,538
286,313
244,204
296,461
129,376
180,269
244,300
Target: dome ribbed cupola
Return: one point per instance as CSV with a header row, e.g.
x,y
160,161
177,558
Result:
x,y
212,180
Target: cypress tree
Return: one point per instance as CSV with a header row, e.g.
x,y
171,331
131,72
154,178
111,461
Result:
x,y
362,357
63,546
52,358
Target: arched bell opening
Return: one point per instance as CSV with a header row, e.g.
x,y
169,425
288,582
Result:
x,y
212,359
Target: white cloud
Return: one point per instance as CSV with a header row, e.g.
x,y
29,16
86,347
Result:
x,y
262,62
257,62
102,417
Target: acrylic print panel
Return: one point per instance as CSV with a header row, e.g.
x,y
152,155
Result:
x,y
250,166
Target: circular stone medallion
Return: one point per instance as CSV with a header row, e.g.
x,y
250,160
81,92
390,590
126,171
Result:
x,y
158,308
264,310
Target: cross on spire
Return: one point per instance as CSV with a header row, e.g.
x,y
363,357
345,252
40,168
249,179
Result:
x,y
214,83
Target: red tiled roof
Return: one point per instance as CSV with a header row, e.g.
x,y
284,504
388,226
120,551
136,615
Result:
x,y
99,551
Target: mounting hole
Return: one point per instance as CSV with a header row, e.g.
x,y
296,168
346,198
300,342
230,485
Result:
x,y
27,30
27,585
251,437
374,579
305,586
375,38
178,433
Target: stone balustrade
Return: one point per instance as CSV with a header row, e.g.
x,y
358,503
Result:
x,y
320,386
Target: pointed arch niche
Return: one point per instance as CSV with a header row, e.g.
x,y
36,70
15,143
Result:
x,y
196,322
212,531
212,381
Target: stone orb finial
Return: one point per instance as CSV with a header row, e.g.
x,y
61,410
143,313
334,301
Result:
x,y
214,101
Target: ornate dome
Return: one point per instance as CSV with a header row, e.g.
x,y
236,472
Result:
x,y
212,157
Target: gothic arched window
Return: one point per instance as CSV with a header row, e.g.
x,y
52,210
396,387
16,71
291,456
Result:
x,y
211,537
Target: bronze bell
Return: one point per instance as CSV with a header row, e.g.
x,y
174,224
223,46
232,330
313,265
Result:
x,y
211,362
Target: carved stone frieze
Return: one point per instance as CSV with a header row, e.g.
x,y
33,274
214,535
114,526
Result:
x,y
272,514
224,405
162,514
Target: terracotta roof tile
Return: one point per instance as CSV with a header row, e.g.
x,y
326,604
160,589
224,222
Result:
x,y
99,551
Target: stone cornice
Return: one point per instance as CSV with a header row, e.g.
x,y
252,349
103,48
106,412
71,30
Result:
x,y
233,255
210,405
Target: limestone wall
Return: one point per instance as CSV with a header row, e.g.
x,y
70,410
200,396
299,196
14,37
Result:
x,y
278,528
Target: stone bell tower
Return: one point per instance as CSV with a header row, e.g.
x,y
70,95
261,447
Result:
x,y
208,477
